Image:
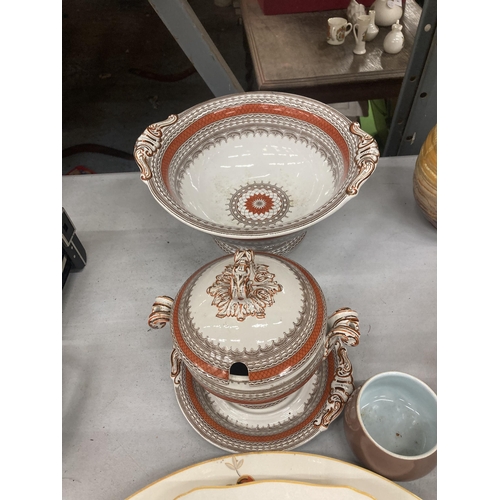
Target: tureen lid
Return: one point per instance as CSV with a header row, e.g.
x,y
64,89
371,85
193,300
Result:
x,y
258,314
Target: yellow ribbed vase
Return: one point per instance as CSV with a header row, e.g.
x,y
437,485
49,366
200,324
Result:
x,y
425,177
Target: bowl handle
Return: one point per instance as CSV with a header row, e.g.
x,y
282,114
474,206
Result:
x,y
148,144
161,312
344,330
366,158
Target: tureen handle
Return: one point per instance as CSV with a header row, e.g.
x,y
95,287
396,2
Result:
x,y
343,384
176,366
343,325
148,144
162,310
366,159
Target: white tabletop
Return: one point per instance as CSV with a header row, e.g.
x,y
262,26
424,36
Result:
x,y
122,427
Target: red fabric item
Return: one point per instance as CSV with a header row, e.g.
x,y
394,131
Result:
x,y
80,169
273,7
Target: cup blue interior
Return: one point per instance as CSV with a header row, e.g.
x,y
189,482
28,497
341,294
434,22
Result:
x,y
399,412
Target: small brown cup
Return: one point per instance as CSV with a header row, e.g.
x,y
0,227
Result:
x,y
390,422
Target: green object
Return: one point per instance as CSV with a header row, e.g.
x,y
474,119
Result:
x,y
377,122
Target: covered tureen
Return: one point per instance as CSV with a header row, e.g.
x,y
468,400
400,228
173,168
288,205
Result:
x,y
252,328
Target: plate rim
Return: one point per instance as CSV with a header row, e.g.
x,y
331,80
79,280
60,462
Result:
x,y
302,455
281,481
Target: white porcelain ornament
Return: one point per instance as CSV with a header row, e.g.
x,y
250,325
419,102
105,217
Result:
x,y
338,29
354,10
359,30
394,40
372,30
387,12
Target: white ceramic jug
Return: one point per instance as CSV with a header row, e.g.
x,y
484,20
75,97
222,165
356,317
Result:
x,y
394,40
387,12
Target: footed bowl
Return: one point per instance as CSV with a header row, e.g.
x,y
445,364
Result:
x,y
255,170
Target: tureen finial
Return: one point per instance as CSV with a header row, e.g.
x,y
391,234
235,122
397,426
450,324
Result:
x,y
245,288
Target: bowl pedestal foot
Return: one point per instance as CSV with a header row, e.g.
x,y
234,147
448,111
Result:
x,y
278,246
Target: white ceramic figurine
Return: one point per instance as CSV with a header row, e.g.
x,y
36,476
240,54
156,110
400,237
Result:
x,y
394,40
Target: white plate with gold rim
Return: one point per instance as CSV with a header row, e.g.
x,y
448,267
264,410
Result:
x,y
272,490
274,465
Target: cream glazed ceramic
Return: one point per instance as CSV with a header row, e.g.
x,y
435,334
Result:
x,y
255,170
338,29
277,465
252,328
354,10
373,29
291,490
359,30
394,40
387,12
